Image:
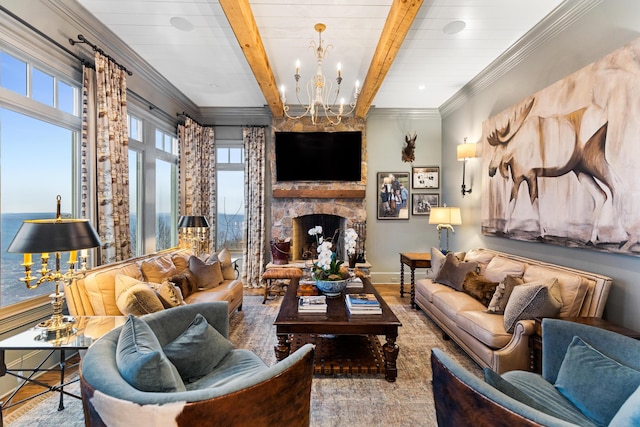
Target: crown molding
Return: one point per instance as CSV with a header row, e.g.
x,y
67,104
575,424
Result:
x,y
94,30
235,116
405,113
557,21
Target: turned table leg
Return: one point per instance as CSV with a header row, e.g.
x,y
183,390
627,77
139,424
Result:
x,y
401,278
283,348
390,350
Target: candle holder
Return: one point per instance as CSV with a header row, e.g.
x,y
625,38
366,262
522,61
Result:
x,y
47,236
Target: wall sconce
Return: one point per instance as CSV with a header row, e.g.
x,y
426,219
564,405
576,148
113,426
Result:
x,y
45,236
446,218
193,229
466,151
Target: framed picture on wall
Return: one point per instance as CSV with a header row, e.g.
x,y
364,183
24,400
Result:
x,y
393,195
425,177
421,203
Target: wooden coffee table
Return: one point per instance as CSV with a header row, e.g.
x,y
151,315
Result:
x,y
339,331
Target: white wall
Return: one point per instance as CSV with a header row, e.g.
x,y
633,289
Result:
x,y
386,238
605,28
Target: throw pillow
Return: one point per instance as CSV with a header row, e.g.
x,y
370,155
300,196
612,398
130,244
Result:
x,y
168,294
181,261
135,297
531,300
453,271
199,338
157,269
502,294
227,267
141,362
185,282
207,275
629,412
479,287
499,267
437,260
584,370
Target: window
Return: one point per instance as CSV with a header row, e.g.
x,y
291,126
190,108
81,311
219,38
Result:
x,y
36,159
134,192
166,221
230,194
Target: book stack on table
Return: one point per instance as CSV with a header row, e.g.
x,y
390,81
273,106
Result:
x,y
363,304
312,304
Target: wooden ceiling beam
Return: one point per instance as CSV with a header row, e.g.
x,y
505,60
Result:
x,y
399,20
244,26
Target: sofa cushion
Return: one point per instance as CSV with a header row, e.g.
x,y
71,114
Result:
x,y
136,297
531,300
199,338
181,261
141,361
453,271
585,369
101,286
480,256
494,379
501,295
479,287
486,328
158,268
428,287
207,275
629,412
573,287
451,303
499,267
224,256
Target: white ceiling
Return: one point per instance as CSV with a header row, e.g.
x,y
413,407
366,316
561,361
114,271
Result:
x,y
208,66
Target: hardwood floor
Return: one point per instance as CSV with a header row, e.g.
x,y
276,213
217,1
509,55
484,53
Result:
x,y
53,377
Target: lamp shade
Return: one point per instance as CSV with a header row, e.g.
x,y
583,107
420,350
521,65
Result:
x,y
466,151
54,235
193,221
445,215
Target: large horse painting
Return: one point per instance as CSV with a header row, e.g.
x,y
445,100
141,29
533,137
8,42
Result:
x,y
562,166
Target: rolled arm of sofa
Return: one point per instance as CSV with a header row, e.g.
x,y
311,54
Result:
x,y
516,354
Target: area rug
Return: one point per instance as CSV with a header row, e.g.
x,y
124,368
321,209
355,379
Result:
x,y
339,400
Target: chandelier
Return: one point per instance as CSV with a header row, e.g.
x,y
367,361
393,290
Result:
x,y
319,90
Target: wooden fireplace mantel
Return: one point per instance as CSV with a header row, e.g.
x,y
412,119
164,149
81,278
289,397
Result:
x,y
320,194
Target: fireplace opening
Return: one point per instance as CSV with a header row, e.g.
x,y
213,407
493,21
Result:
x,y
304,246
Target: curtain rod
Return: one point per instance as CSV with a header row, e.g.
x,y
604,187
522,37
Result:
x,y
221,126
84,61
82,39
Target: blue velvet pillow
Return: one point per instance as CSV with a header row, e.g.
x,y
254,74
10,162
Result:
x,y
141,362
594,383
629,413
198,349
496,381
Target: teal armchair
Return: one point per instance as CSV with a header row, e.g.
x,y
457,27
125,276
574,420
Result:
x,y
240,390
590,377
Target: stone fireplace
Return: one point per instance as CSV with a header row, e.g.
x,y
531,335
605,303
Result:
x,y
295,205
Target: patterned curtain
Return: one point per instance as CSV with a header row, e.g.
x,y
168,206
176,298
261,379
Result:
x,y
196,172
87,160
254,250
112,168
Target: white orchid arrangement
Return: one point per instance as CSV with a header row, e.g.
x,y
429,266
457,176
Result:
x,y
327,267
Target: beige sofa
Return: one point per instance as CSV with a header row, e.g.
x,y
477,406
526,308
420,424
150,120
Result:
x,y
95,294
482,334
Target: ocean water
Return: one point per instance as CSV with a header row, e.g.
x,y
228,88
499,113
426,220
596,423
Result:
x,y
12,290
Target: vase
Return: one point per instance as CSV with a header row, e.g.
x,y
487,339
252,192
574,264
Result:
x,y
352,260
331,288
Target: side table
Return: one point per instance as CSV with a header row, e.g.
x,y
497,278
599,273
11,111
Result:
x,y
413,260
535,340
86,330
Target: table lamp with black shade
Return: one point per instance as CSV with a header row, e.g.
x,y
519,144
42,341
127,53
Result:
x,y
194,229
45,236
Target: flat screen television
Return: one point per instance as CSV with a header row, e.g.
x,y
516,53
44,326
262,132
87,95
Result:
x,y
318,156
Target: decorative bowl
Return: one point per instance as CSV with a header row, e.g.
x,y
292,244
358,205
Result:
x,y
331,288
